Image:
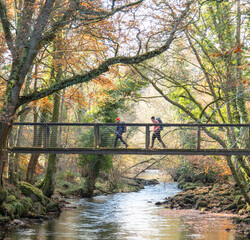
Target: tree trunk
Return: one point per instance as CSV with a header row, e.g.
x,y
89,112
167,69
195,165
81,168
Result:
x,y
37,142
93,173
5,129
237,179
49,180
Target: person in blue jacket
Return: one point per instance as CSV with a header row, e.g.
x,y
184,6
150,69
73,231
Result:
x,y
119,133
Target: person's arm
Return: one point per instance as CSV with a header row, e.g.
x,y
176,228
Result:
x,y
119,129
156,127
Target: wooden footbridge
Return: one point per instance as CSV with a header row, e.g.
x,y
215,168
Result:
x,y
98,138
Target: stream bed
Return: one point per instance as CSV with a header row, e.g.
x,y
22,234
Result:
x,y
129,216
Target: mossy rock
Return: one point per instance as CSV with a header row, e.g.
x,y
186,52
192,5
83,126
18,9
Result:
x,y
230,207
241,206
26,205
239,200
237,220
53,207
181,184
152,182
11,198
188,200
201,204
181,178
248,208
3,195
190,188
241,211
19,208
32,192
13,190
39,209
76,191
65,185
9,209
237,192
4,220
224,193
246,220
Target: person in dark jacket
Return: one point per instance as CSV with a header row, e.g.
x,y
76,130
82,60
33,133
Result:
x,y
119,133
156,133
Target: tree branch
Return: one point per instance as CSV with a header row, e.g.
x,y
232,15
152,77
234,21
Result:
x,y
104,67
6,28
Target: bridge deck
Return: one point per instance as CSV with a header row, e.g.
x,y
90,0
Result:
x,y
131,151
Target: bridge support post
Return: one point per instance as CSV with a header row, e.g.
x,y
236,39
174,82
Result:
x,y
96,131
45,136
198,138
249,136
147,140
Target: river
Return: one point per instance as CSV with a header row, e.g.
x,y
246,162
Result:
x,y
129,216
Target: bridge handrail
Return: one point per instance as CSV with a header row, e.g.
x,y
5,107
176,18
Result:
x,y
135,124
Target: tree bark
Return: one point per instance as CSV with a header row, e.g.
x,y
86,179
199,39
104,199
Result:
x,y
37,142
48,185
237,179
93,173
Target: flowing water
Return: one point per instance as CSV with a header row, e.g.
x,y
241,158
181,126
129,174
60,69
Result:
x,y
129,216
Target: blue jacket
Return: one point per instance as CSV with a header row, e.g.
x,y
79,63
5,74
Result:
x,y
118,129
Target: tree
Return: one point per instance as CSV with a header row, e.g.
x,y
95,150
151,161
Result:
x,y
207,87
109,102
34,25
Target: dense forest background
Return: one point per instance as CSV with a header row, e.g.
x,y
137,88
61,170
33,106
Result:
x,y
92,61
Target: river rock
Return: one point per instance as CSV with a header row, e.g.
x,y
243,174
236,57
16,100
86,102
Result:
x,y
201,204
17,222
232,206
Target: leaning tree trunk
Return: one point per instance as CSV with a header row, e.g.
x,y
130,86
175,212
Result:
x,y
237,179
48,186
6,122
34,157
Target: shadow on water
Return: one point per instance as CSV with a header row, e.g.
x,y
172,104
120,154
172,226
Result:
x,y
129,216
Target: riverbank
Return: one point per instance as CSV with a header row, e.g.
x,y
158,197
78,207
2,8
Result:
x,y
221,199
210,200
26,205
130,215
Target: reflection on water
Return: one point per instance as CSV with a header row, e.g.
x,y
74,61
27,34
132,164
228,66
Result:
x,y
128,216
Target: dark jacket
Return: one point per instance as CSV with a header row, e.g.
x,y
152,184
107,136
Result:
x,y
118,129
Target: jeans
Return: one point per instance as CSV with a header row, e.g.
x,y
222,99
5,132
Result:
x,y
119,136
158,136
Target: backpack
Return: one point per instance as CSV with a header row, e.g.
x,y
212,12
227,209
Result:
x,y
124,127
160,121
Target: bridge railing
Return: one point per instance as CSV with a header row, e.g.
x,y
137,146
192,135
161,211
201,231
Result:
x,y
138,135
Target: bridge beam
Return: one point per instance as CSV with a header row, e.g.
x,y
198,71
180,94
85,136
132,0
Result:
x,y
121,151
